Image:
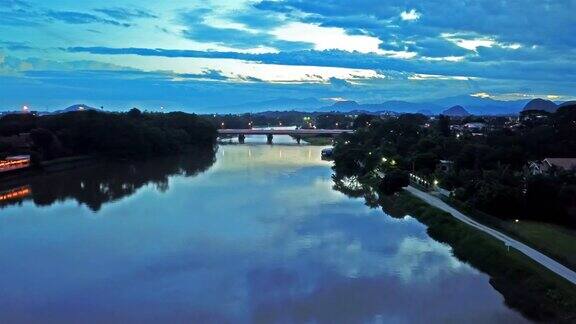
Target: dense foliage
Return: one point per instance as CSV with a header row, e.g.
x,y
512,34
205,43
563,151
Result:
x,y
282,118
126,135
489,172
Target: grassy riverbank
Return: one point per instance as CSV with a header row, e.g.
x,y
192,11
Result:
x,y
555,241
525,285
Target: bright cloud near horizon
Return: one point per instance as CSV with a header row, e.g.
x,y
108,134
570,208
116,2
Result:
x,y
211,54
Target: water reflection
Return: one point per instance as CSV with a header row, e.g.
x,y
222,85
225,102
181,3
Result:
x,y
106,182
259,237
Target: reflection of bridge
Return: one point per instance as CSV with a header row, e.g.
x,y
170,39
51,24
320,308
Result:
x,y
296,133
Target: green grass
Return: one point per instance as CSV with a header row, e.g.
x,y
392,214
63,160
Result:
x,y
555,241
527,286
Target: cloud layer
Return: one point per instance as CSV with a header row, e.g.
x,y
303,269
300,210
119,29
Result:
x,y
392,50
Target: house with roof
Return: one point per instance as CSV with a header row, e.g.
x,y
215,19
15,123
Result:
x,y
552,165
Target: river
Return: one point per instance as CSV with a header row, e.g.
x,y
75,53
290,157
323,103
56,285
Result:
x,y
255,233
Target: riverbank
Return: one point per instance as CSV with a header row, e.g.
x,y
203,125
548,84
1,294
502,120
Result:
x,y
555,241
525,285
57,165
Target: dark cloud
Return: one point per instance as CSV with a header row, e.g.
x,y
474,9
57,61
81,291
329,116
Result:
x,y
20,13
215,75
198,29
15,46
79,18
530,22
13,4
529,70
126,13
17,13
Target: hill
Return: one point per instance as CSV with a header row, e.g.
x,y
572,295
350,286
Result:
x,y
541,104
456,111
278,104
568,103
77,107
396,106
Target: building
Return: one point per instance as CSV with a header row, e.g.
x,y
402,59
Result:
x,y
475,127
551,165
445,166
17,162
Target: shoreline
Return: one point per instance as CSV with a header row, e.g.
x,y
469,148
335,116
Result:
x,y
16,178
527,286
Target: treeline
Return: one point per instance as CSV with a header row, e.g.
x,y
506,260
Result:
x,y
284,118
487,172
102,183
121,135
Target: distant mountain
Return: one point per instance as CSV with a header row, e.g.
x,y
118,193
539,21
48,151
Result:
x,y
456,111
277,104
425,112
541,104
345,105
483,105
474,105
567,103
388,106
77,107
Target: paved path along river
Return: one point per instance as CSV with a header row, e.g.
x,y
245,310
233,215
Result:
x,y
547,262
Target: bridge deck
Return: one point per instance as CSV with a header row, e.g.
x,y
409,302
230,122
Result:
x,y
284,131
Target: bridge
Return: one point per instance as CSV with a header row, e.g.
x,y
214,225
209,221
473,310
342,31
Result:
x,y
296,133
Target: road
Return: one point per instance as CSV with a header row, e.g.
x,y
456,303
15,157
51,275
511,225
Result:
x,y
261,131
533,254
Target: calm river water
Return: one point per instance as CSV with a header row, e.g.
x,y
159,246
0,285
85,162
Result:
x,y
253,234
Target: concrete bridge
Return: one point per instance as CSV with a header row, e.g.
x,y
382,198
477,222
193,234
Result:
x,y
296,133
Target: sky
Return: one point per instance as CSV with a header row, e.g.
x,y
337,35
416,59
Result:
x,y
206,55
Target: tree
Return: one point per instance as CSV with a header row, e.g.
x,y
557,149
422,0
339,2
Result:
x,y
362,120
444,125
134,113
393,182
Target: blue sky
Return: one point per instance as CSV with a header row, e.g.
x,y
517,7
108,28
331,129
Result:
x,y
207,54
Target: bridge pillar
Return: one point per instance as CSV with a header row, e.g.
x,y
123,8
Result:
x,y
241,138
270,137
298,139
